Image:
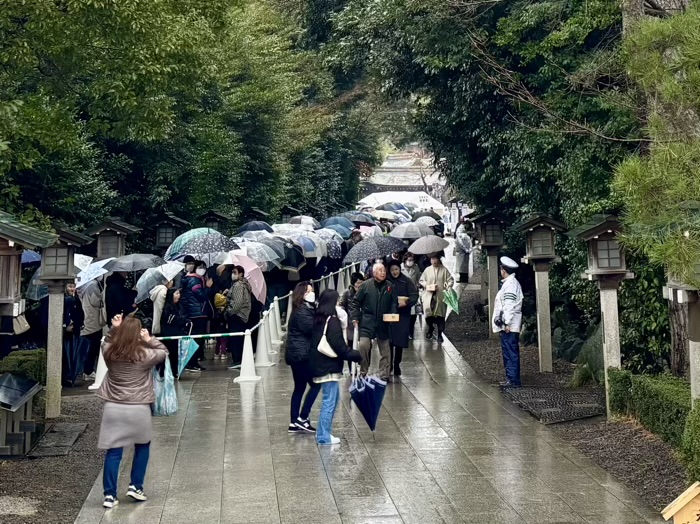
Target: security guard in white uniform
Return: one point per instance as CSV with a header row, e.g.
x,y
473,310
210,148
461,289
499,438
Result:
x,y
507,319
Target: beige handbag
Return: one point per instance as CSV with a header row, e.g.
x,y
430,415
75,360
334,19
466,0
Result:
x,y
323,346
20,325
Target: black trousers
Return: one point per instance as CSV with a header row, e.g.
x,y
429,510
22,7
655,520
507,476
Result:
x,y
435,321
235,345
93,352
302,378
173,347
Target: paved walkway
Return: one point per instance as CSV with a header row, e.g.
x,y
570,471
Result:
x,y
448,449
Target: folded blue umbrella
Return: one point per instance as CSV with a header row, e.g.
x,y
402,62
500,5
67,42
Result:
x,y
187,347
368,393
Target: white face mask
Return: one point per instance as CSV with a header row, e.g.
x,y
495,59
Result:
x,y
201,272
234,276
189,267
409,263
310,297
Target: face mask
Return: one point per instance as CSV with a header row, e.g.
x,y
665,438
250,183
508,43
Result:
x,y
201,272
409,263
234,277
189,267
310,297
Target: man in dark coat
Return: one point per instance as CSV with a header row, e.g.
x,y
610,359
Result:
x,y
119,299
374,300
406,294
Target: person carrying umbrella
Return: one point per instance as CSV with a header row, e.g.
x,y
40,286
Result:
x,y
463,250
507,318
94,319
118,297
327,370
411,270
346,301
407,296
195,295
173,323
374,300
434,281
299,332
238,307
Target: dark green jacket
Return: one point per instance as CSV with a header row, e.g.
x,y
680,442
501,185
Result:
x,y
371,302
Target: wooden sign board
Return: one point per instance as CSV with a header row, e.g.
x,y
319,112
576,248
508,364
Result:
x,y
686,508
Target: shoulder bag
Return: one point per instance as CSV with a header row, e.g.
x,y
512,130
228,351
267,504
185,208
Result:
x,y
323,346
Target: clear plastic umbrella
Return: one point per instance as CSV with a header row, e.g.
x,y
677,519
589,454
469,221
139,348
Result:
x,y
291,228
93,271
135,262
155,276
264,255
427,221
307,220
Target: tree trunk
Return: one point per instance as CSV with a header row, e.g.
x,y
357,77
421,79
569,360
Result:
x,y
678,318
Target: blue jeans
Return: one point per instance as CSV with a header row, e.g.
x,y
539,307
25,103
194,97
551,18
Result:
x,y
138,468
510,346
325,420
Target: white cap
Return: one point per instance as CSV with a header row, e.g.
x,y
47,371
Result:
x,y
509,263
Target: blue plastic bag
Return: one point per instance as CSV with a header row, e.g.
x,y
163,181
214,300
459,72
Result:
x,y
164,388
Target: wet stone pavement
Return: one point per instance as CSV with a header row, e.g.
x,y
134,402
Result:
x,y
448,449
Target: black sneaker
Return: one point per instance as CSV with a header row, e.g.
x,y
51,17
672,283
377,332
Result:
x,y
293,428
305,425
397,370
429,335
136,494
109,502
194,369
440,339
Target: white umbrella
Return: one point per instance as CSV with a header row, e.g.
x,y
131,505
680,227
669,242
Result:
x,y
93,271
290,228
155,276
264,255
411,230
428,221
388,215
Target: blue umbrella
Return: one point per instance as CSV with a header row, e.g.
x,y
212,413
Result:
x,y
30,257
255,225
368,394
342,231
338,221
187,347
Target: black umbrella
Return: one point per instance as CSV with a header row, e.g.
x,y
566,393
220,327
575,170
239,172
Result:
x,y
211,243
432,214
374,247
136,262
291,255
368,394
255,225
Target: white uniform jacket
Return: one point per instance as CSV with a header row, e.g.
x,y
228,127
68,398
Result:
x,y
509,301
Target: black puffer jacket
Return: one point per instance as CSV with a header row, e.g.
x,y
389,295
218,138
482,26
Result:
x,y
319,364
299,332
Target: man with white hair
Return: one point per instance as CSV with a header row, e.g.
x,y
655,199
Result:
x,y
507,319
374,300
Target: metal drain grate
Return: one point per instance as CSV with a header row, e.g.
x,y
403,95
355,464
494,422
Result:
x,y
552,405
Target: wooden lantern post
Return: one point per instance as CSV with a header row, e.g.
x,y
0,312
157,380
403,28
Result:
x,y
541,232
111,237
168,228
215,220
606,267
491,227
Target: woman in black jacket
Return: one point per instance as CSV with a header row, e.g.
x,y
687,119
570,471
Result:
x,y
328,371
402,287
297,355
173,323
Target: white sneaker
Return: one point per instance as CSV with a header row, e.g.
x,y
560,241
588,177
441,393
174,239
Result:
x,y
136,494
89,378
109,502
334,440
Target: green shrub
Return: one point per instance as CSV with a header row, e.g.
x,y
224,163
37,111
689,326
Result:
x,y
620,391
26,363
589,363
690,449
661,404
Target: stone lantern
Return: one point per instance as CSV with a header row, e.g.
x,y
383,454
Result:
x,y
111,237
541,234
288,212
490,228
256,214
168,228
215,220
606,267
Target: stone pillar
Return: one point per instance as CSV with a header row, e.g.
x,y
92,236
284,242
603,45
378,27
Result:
x,y
694,346
54,351
544,322
611,331
493,274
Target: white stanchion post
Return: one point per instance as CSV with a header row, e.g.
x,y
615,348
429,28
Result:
x,y
275,331
289,311
342,286
262,357
278,320
268,336
248,364
100,372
